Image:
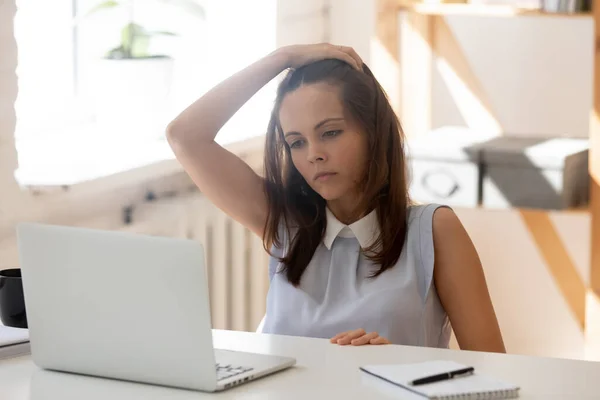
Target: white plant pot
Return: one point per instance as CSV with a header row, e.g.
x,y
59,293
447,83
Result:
x,y
132,92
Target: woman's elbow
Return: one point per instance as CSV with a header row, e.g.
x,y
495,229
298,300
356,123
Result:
x,y
173,132
178,136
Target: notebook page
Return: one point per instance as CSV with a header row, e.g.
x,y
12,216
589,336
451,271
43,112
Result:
x,y
403,374
9,336
465,386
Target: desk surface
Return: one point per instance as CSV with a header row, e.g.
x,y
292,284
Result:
x,y
323,371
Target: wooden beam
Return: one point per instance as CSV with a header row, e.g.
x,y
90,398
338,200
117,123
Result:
x,y
386,26
560,265
416,72
384,55
594,165
592,331
463,84
402,61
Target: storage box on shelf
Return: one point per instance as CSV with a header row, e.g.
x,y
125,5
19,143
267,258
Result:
x,y
547,173
445,166
468,168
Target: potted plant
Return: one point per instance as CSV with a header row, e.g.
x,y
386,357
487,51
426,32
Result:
x,y
133,81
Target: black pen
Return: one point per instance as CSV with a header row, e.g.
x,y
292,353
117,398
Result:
x,y
442,377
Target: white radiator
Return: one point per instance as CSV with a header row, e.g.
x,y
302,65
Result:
x,y
237,267
237,264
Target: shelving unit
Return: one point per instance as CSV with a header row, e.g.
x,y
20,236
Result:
x,y
482,10
410,46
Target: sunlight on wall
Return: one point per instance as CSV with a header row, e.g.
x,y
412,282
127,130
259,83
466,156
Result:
x,y
472,110
386,69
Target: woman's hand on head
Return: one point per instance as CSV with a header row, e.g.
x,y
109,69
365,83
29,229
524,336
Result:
x,y
358,337
302,54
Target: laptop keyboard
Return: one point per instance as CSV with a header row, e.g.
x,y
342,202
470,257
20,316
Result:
x,y
227,371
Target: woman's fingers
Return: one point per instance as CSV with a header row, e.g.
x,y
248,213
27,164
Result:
x,y
358,337
365,339
379,340
350,51
351,336
344,55
338,336
299,55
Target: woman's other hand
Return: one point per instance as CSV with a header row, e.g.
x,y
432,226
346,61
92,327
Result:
x,y
302,54
358,337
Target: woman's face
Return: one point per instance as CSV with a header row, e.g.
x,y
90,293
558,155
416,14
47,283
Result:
x,y
328,148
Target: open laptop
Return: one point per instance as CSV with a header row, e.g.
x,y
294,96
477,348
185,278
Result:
x,y
126,306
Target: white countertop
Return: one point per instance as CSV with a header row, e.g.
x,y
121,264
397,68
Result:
x,y
323,371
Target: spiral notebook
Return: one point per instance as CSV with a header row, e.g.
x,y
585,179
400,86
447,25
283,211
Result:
x,y
466,387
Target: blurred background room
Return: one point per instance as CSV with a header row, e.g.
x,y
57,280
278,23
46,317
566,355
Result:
x,y
499,101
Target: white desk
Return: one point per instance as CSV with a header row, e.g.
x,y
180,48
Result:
x,y
324,371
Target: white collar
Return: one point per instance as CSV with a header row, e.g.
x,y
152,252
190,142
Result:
x,y
365,229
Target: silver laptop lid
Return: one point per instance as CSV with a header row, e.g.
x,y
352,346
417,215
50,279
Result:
x,y
117,305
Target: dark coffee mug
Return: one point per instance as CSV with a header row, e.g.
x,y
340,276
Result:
x,y
12,301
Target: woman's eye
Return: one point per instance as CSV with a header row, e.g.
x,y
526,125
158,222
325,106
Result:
x,y
332,133
296,144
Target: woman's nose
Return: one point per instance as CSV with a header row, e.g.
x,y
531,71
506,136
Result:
x,y
316,154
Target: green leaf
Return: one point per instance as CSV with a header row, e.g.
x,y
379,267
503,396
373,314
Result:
x,y
135,39
129,34
139,47
103,6
116,54
161,33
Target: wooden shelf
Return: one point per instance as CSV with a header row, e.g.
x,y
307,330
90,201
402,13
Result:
x,y
483,10
567,211
409,48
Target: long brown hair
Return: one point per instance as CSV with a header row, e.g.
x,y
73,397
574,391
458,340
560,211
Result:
x,y
296,207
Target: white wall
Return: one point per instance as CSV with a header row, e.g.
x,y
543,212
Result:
x,y
10,200
532,312
342,22
302,21
353,24
535,73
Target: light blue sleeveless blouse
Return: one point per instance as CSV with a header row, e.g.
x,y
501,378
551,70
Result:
x,y
335,294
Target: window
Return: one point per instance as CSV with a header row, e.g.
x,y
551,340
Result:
x,y
81,116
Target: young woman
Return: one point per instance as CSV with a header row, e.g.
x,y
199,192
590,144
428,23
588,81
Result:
x,y
351,258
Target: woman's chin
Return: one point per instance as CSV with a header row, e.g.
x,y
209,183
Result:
x,y
328,194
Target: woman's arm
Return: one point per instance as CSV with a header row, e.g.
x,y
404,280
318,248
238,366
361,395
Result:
x,y
461,286
221,176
